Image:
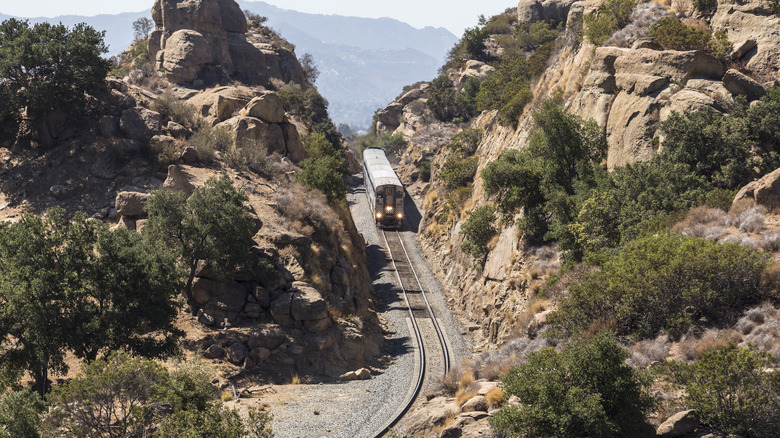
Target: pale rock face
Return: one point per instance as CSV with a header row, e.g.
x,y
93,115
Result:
x,y
531,11
751,20
267,107
206,40
254,133
186,54
219,104
765,191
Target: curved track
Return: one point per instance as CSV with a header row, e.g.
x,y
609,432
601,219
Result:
x,y
422,319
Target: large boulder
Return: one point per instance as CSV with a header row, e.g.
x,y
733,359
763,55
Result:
x,y
765,191
293,145
280,309
307,304
250,132
131,204
679,424
213,46
185,56
531,11
221,103
267,107
178,181
267,337
140,123
228,296
739,83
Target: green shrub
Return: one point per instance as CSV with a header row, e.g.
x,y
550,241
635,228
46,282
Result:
x,y
479,229
207,140
714,146
501,23
48,67
584,390
534,35
20,414
457,172
665,282
394,145
733,392
611,16
705,5
671,34
325,174
466,141
424,169
449,105
174,109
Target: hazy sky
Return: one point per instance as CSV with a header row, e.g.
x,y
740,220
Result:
x,y
454,15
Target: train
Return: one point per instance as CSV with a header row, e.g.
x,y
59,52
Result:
x,y
384,189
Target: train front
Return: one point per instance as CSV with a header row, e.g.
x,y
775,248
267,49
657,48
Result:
x,y
390,206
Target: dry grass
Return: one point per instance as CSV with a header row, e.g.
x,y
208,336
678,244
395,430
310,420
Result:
x,y
430,199
464,395
648,351
448,419
693,348
227,396
598,326
761,327
495,397
296,380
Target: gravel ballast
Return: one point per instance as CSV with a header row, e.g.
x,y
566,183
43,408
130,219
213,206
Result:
x,y
360,408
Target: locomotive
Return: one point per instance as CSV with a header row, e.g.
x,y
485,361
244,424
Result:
x,y
383,188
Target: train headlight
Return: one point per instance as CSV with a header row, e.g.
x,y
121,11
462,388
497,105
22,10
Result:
x,y
379,215
389,208
400,216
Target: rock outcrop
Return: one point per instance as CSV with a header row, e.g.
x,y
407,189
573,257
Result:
x,y
205,41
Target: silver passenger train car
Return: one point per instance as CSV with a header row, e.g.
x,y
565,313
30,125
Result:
x,y
383,188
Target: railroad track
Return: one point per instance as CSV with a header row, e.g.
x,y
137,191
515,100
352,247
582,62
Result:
x,y
427,332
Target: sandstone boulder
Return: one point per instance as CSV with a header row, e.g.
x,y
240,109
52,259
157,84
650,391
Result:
x,y
140,123
178,181
267,107
214,352
259,355
307,304
219,104
478,403
237,353
674,65
765,191
185,55
267,337
249,132
391,115
280,309
131,203
679,424
739,83
293,144
531,11
177,130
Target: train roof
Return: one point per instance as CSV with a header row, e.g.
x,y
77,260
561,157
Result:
x,y
379,169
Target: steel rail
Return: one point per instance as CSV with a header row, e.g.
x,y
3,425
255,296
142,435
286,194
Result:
x,y
418,334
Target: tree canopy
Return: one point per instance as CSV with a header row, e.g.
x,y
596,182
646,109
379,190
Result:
x,y
45,68
72,284
212,225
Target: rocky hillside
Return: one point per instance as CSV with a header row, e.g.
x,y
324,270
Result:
x,y
628,86
207,105
545,155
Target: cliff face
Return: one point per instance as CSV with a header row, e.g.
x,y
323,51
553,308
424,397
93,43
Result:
x,y
207,41
628,86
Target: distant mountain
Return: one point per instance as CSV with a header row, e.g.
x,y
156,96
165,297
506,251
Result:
x,y
364,62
